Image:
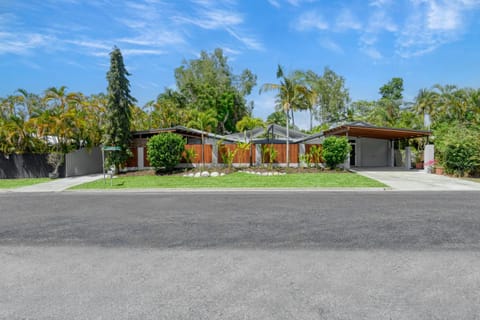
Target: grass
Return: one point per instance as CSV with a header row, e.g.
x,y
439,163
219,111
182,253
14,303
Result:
x,y
16,183
238,180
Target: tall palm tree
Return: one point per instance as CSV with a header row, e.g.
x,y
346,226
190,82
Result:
x,y
205,122
290,96
426,103
314,86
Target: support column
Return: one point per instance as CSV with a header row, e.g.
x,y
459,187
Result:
x,y
392,153
428,158
301,152
214,154
258,154
408,158
140,163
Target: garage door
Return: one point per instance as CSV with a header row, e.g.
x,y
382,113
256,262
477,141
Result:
x,y
374,153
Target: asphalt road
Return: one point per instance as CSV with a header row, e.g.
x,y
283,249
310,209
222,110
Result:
x,y
281,255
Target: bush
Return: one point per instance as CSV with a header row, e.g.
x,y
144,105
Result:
x,y
165,150
335,150
462,157
457,148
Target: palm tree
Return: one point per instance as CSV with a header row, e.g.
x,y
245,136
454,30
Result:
x,y
314,85
63,107
205,122
249,123
291,96
426,103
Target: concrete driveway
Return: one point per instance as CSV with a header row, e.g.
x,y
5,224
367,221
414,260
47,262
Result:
x,y
417,180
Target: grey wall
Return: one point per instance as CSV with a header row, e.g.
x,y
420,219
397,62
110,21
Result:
x,y
83,161
15,166
374,152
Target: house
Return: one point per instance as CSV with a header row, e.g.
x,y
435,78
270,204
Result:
x,y
372,146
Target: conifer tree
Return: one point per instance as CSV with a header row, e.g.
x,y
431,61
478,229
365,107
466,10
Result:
x,y
119,105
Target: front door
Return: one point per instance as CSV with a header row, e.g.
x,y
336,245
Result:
x,y
352,154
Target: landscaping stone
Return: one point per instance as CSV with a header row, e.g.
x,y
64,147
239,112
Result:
x,y
197,175
205,174
214,174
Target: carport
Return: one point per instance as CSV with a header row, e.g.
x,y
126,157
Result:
x,y
374,146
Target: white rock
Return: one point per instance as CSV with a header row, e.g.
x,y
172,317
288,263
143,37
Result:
x,y
222,174
197,175
264,173
214,174
270,173
259,173
205,174
275,173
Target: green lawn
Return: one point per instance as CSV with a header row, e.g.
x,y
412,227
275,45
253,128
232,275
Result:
x,y
238,180
15,183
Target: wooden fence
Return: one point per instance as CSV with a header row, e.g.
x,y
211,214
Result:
x,y
241,155
244,154
281,153
197,148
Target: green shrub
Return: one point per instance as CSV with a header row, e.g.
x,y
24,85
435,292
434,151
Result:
x,y
335,150
165,150
462,157
457,148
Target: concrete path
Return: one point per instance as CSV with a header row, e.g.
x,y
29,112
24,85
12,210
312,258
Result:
x,y
417,180
57,185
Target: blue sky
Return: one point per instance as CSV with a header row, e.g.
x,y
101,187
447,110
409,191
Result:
x,y
66,42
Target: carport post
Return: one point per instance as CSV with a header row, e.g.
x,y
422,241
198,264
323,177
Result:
x,y
408,158
392,153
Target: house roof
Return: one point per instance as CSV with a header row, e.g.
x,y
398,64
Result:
x,y
366,130
277,134
272,132
184,131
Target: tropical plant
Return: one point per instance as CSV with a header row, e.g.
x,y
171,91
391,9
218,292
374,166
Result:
x,y
189,155
249,123
291,95
227,156
335,150
165,150
315,154
205,122
269,153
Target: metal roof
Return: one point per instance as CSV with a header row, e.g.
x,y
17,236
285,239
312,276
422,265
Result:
x,y
366,130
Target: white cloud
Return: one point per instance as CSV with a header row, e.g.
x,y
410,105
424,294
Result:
x,y
381,21
372,53
446,16
379,3
331,45
23,43
249,42
137,52
274,3
346,20
431,24
310,20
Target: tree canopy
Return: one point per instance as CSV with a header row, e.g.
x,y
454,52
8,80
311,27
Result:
x,y
208,83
